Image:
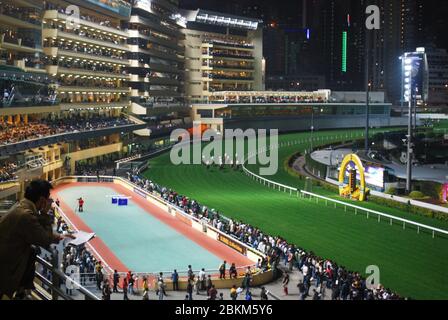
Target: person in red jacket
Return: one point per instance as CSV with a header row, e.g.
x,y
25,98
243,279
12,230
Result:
x,y
285,283
81,205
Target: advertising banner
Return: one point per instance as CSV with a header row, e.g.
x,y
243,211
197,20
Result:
x,y
232,244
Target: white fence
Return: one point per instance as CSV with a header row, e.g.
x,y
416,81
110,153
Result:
x,y
270,183
400,199
357,209
373,213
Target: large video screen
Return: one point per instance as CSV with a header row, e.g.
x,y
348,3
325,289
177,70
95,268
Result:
x,y
374,175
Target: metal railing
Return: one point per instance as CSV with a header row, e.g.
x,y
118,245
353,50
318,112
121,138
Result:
x,y
51,289
73,226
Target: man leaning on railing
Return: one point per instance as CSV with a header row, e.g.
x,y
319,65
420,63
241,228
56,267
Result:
x,y
26,225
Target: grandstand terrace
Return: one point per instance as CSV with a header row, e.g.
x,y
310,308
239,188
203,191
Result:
x,y
156,57
20,36
87,60
290,110
64,88
88,108
224,53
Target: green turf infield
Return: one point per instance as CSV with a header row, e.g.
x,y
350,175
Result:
x,y
414,265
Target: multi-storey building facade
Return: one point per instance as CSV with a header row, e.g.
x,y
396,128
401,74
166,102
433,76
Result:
x,y
223,53
156,56
65,93
87,58
82,81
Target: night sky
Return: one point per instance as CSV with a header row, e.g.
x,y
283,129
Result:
x,y
287,12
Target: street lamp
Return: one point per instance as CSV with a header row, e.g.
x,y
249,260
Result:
x,y
415,88
367,80
407,86
312,128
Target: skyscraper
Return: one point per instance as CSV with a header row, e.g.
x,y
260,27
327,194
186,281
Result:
x,y
223,53
401,31
344,38
274,50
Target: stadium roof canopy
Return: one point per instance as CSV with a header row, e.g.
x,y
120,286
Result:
x,y
222,19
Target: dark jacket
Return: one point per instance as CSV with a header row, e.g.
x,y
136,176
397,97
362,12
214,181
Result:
x,y
21,228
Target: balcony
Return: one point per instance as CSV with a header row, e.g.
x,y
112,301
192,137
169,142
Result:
x,y
156,53
46,104
19,44
223,78
84,90
85,72
156,25
155,80
55,52
164,93
14,148
229,68
55,33
164,42
20,21
55,15
30,89
224,45
93,105
92,152
158,67
234,57
164,81
166,4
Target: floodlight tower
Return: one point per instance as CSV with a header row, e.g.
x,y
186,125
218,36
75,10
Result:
x,y
415,87
367,83
408,97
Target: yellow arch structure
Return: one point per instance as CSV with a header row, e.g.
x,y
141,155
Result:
x,y
344,190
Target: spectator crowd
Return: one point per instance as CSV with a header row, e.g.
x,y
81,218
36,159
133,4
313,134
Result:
x,y
13,133
323,273
90,18
7,171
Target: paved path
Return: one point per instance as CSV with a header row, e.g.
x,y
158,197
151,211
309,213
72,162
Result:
x,y
275,291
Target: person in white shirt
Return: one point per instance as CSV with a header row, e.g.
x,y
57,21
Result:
x,y
305,270
202,279
260,245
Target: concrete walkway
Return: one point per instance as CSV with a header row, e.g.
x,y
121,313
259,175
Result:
x,y
275,291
